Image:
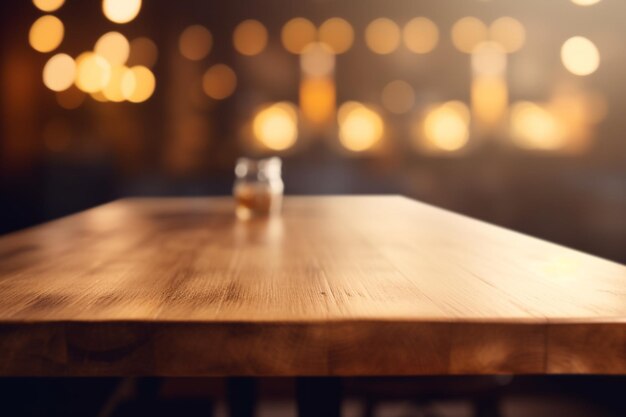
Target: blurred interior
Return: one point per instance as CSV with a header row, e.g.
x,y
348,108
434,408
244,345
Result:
x,y
505,110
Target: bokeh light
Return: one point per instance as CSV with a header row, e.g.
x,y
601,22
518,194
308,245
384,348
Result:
x,y
250,37
446,126
195,42
533,126
276,126
113,90
297,33
92,72
580,56
509,33
337,33
138,84
121,11
46,34
113,47
382,36
488,58
467,33
143,51
219,81
48,5
317,60
420,35
360,127
585,2
59,72
317,99
398,97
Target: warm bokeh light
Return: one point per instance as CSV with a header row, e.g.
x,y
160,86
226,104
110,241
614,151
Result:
x,y
580,56
360,127
138,84
219,81
488,58
46,34
250,37
585,2
317,99
276,126
143,51
398,97
509,33
113,47
420,35
113,90
297,34
337,33
92,72
195,42
382,36
446,127
317,59
48,5
121,11
99,96
71,98
533,126
490,99
59,72
467,33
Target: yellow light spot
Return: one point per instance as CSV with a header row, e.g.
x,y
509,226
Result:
x,y
585,2
317,59
446,126
467,33
276,126
337,33
250,37
113,47
382,36
488,58
59,72
297,34
398,97
534,127
317,99
421,35
48,5
580,56
345,109
71,98
121,11
219,82
138,84
509,33
113,90
195,42
46,34
93,72
490,99
143,51
360,128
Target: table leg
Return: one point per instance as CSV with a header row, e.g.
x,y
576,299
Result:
x,y
318,397
241,394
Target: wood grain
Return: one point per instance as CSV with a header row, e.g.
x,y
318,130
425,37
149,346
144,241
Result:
x,y
334,286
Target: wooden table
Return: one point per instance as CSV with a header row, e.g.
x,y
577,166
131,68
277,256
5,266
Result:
x,y
335,286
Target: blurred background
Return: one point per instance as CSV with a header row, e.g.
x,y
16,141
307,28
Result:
x,y
505,110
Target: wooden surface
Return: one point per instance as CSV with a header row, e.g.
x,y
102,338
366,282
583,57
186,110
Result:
x,y
335,286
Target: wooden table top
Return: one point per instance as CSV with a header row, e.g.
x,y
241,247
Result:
x,y
334,286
